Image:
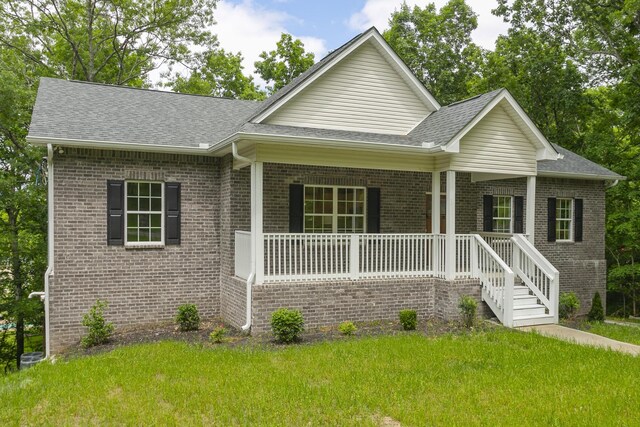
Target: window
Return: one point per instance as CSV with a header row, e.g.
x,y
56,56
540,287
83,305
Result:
x,y
334,209
144,213
564,219
502,214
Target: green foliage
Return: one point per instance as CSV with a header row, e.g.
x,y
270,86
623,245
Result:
x,y
347,328
218,335
437,47
99,330
408,319
188,318
287,325
289,60
468,307
596,314
569,305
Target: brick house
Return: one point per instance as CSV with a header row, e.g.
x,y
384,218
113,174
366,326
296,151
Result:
x,y
350,194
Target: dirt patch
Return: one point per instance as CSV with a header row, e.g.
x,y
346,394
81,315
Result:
x,y
168,331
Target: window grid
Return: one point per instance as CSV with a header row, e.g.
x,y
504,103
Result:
x,y
144,213
334,209
502,214
564,219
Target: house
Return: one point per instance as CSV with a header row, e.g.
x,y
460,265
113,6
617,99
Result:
x,y
351,194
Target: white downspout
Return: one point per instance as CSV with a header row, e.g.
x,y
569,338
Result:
x,y
252,275
613,184
44,296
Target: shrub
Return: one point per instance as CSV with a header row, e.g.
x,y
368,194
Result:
x,y
568,306
408,319
99,329
218,335
347,328
468,307
596,314
287,324
188,318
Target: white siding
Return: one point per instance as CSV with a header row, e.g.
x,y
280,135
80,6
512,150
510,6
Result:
x,y
361,93
496,145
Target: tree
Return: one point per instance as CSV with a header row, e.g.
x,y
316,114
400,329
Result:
x,y
437,47
105,41
284,64
217,73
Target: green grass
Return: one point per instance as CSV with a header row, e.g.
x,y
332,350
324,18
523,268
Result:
x,y
630,334
499,377
625,319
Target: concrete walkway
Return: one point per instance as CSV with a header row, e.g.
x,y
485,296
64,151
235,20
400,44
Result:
x,y
583,338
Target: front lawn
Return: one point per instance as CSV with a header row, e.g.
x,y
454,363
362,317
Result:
x,y
499,377
630,334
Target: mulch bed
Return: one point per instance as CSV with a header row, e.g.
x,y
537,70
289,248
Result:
x,y
237,338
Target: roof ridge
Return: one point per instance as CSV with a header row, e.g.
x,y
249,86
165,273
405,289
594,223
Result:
x,y
474,97
114,86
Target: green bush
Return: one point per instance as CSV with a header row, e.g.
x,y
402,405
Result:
x,y
468,307
569,305
99,329
287,324
347,328
188,318
218,335
596,314
408,319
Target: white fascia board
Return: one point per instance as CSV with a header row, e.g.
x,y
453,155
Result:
x,y
481,177
373,34
570,175
322,142
112,145
545,150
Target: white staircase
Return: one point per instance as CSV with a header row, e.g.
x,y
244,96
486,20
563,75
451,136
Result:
x,y
522,294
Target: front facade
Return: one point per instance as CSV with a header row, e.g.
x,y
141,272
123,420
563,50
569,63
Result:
x,y
350,194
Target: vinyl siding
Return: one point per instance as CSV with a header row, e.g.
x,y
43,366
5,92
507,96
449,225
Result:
x,y
361,93
496,145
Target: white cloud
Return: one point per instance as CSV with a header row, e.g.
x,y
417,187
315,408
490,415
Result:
x,y
250,28
377,12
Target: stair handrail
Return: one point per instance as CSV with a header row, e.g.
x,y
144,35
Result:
x,y
503,299
548,293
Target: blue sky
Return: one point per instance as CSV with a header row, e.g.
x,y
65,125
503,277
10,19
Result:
x,y
252,26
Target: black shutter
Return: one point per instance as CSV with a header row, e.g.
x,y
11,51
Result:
x,y
551,219
296,208
373,210
577,231
518,215
115,212
172,213
487,213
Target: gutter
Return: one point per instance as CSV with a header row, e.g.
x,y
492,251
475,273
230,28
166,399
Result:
x,y
252,275
44,296
613,184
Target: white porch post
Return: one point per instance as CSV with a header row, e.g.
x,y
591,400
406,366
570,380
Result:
x,y
450,266
257,237
531,208
435,221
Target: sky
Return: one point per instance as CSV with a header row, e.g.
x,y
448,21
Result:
x,y
253,26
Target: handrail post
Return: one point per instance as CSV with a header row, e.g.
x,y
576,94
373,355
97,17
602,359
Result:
x,y
354,250
508,300
554,297
474,256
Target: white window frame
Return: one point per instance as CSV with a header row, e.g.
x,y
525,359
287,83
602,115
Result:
x,y
335,215
126,216
511,213
570,220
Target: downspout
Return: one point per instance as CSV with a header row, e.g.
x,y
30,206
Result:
x,y
44,296
613,184
252,275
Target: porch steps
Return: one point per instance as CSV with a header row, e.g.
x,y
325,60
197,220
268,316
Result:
x,y
526,309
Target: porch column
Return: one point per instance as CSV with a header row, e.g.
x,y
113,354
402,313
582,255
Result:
x,y
435,221
257,238
450,266
530,219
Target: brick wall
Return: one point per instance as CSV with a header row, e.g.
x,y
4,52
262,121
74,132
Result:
x,y
141,285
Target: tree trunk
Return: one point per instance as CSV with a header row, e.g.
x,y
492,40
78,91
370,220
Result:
x,y
16,274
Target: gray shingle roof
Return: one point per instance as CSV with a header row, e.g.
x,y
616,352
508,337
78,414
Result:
x,y
440,126
573,164
96,112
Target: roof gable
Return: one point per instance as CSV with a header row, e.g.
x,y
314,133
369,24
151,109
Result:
x,y
364,63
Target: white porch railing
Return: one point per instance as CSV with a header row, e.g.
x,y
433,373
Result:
x,y
537,273
496,278
501,244
243,254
